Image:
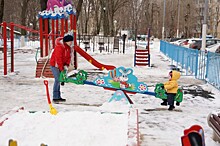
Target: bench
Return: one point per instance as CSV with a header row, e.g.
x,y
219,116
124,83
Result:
x,y
101,46
214,122
116,44
86,42
87,46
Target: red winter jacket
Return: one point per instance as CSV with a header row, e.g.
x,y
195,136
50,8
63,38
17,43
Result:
x,y
61,55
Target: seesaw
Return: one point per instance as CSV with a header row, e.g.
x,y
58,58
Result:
x,y
119,79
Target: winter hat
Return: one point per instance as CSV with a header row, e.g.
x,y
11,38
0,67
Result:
x,y
67,38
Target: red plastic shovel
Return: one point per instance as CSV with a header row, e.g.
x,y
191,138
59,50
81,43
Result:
x,y
53,111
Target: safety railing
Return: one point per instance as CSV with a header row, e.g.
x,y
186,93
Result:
x,y
203,65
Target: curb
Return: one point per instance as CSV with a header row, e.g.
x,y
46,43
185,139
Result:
x,y
133,128
5,116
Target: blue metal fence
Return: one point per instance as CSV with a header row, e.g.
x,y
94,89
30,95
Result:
x,y
180,56
202,65
213,69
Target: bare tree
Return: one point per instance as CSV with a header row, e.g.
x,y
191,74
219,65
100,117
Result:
x,y
1,10
113,6
217,21
86,14
32,12
97,16
24,6
78,8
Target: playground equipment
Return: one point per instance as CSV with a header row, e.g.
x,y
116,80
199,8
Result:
x,y
142,56
161,93
64,13
58,16
61,20
11,25
194,136
120,79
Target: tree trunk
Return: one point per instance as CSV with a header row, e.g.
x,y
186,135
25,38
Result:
x,y
95,10
1,10
24,15
87,16
78,9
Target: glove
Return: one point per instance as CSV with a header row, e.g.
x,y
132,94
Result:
x,y
62,83
65,68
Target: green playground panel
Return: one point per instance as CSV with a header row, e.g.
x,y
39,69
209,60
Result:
x,y
81,76
161,93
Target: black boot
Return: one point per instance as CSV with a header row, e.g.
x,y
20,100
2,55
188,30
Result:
x,y
171,108
177,104
62,83
59,100
164,103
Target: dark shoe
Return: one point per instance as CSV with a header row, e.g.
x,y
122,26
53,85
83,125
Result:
x,y
164,103
177,104
171,108
62,99
55,100
59,100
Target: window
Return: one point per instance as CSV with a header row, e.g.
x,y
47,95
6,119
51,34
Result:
x,y
201,1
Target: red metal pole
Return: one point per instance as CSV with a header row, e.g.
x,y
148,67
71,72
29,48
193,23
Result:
x,y
57,26
46,36
71,21
5,46
148,40
41,37
74,30
75,41
148,46
53,37
66,25
12,46
62,27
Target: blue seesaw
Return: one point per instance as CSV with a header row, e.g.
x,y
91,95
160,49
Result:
x,y
118,79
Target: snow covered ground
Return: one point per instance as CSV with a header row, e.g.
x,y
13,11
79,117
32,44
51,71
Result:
x,y
80,122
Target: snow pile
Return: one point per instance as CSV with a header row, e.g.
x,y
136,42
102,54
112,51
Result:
x,y
66,128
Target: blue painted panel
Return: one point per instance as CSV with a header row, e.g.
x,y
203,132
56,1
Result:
x,y
122,78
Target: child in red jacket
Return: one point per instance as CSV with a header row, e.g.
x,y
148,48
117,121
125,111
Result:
x,y
59,60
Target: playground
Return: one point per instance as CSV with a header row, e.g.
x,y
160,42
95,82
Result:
x,y
156,124
127,113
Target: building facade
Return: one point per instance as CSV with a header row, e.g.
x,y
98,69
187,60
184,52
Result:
x,y
213,17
